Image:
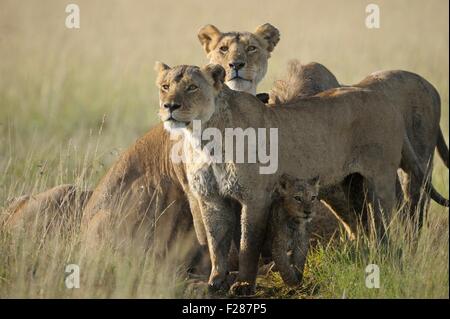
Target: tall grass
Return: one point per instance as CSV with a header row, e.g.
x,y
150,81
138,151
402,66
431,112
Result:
x,y
72,100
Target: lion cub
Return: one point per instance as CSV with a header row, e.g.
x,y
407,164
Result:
x,y
293,208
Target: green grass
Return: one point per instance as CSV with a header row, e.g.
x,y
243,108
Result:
x,y
410,267
72,100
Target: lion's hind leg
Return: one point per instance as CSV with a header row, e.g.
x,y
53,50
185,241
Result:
x,y
381,198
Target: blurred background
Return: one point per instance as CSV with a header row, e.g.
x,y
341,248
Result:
x,y
58,86
72,99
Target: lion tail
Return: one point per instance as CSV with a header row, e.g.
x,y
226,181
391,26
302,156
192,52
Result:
x,y
302,80
289,87
442,148
409,154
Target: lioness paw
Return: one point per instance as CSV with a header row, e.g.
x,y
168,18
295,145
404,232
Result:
x,y
218,284
242,288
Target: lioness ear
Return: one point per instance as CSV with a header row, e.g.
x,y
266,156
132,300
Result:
x,y
216,73
161,67
208,36
270,34
161,70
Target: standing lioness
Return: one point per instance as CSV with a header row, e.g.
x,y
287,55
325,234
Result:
x,y
414,97
349,124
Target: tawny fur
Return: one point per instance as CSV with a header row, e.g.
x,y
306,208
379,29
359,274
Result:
x,y
416,99
351,125
301,81
291,218
59,205
146,163
250,49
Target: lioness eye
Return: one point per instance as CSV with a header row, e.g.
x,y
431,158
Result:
x,y
298,198
165,87
192,87
251,48
223,48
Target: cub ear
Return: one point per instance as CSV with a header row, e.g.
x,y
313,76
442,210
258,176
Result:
x,y
315,181
161,67
283,183
208,36
270,34
216,73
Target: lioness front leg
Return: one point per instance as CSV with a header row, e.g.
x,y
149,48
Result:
x,y
253,226
197,219
219,222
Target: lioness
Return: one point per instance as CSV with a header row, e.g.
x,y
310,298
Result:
x,y
246,59
420,106
348,124
244,55
60,204
416,99
143,182
245,63
294,206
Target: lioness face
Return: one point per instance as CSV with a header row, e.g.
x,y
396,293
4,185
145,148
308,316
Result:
x,y
299,197
187,93
243,55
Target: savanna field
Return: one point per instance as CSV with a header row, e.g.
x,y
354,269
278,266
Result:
x,y
71,100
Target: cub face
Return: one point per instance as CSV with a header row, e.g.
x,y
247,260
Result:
x,y
187,93
298,197
243,55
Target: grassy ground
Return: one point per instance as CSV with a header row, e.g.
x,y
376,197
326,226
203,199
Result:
x,y
72,100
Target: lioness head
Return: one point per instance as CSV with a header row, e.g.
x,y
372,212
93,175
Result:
x,y
187,93
243,55
298,197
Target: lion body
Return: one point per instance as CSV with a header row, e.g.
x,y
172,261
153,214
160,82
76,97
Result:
x,y
143,180
145,163
419,104
348,124
142,193
60,205
411,95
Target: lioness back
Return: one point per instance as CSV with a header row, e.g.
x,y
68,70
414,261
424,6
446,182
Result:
x,y
142,189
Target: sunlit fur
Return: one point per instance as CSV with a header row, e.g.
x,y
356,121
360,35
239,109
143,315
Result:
x,y
253,49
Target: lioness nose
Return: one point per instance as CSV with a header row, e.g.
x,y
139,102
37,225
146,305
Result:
x,y
172,106
237,65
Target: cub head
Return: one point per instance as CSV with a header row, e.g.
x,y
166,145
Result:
x,y
298,197
243,55
187,93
